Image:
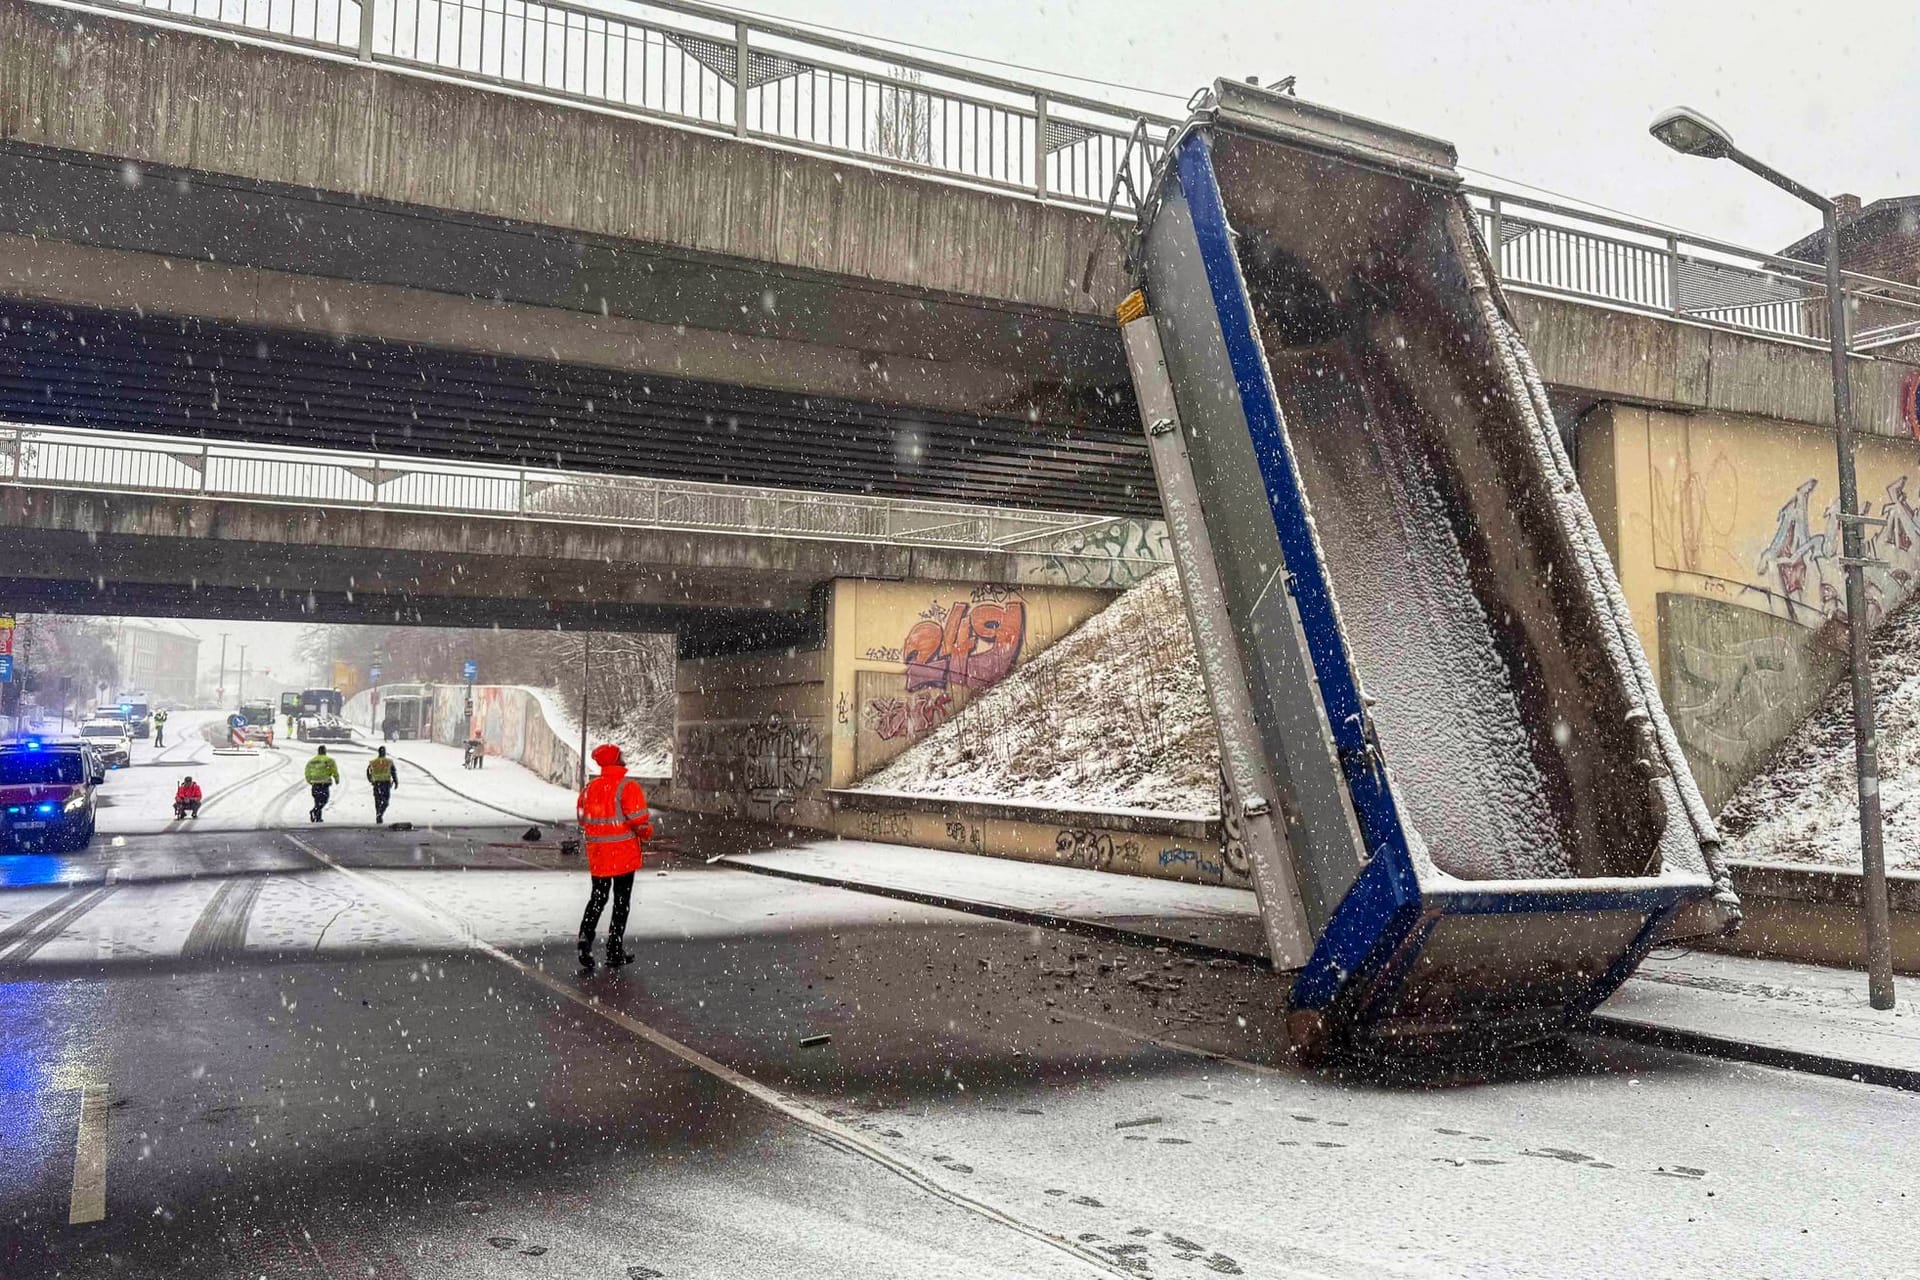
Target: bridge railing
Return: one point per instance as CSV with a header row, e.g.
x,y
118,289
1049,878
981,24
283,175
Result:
x,y
706,66
61,458
1555,249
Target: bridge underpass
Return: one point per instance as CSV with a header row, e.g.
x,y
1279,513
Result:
x,y
76,367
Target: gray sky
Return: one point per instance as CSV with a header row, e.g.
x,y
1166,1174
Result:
x,y
1549,92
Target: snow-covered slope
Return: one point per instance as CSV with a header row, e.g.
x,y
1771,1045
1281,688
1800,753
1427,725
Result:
x,y
1114,714
1801,808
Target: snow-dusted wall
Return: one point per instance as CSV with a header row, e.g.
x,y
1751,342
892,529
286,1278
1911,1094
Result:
x,y
515,722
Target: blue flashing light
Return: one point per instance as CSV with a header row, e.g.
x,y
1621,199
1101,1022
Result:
x,y
46,806
14,808
33,744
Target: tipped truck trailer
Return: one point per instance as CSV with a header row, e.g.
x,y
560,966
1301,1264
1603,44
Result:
x,y
1466,814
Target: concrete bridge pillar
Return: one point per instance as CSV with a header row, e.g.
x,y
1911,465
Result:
x,y
766,734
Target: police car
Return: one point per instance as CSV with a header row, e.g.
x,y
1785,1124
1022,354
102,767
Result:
x,y
47,795
111,740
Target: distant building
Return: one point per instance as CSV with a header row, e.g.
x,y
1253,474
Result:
x,y
159,657
1880,239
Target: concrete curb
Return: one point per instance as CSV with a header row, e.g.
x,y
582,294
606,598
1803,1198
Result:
x,y
1703,1045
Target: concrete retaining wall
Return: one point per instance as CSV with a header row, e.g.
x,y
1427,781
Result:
x,y
1813,914
1131,842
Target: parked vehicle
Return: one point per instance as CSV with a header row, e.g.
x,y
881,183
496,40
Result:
x,y
46,796
138,711
110,740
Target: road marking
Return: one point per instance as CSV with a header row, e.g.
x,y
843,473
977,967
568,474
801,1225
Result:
x,y
89,1202
833,1133
1176,1046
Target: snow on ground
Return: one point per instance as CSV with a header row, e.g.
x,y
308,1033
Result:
x,y
499,783
1113,715
1802,807
265,789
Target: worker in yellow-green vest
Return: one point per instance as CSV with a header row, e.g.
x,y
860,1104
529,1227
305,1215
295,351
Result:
x,y
383,776
321,774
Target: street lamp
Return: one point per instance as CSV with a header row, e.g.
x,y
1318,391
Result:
x,y
1692,134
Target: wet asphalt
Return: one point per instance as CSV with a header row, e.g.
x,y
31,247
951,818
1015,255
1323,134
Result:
x,y
353,1053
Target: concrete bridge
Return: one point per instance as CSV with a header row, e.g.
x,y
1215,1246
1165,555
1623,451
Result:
x,y
346,236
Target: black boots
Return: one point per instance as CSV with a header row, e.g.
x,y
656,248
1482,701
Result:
x,y
617,957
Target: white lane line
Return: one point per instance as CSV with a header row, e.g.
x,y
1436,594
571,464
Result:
x,y
834,1134
1176,1046
89,1202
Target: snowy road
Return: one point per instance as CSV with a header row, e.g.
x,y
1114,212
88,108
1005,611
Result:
x,y
265,790
332,1052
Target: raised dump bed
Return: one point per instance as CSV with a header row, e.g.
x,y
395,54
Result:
x,y
1484,820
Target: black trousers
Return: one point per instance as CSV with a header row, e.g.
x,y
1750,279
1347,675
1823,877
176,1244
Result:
x,y
621,887
322,791
382,796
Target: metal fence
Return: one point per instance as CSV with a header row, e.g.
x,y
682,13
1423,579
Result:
x,y
706,66
58,458
1574,253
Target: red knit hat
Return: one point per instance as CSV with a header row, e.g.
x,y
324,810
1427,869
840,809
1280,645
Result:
x,y
606,754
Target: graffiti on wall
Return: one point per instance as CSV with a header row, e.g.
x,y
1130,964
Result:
x,y
783,759
1095,850
967,644
910,717
1212,870
769,764
1801,564
1113,557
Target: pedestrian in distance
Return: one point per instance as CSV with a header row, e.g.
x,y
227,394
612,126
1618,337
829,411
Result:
x,y
186,798
384,777
159,729
612,809
476,756
322,773
390,727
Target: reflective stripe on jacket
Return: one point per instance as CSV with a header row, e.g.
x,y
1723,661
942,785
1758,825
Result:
x,y
613,820
380,769
322,769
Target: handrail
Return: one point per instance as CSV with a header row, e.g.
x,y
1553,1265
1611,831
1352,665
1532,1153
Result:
x,y
127,462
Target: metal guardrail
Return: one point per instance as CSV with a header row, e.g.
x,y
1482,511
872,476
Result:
x,y
1574,253
682,62
57,458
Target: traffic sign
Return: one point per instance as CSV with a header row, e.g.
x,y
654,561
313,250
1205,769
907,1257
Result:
x,y
6,668
373,672
469,669
6,634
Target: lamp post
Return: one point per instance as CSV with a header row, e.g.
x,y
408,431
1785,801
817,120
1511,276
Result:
x,y
1692,134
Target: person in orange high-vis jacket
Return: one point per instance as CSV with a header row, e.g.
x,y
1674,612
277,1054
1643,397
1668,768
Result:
x,y
613,820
